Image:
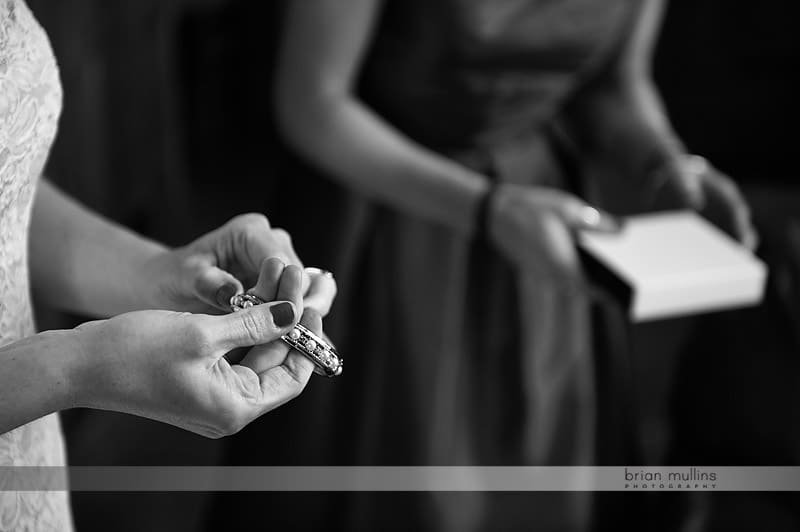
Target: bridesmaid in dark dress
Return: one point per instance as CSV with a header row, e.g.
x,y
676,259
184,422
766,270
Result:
x,y
450,125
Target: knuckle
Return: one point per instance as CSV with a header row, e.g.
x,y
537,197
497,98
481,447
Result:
x,y
296,383
198,335
251,221
270,385
253,325
281,235
288,383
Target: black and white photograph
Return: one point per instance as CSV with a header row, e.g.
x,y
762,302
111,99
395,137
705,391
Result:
x,y
399,265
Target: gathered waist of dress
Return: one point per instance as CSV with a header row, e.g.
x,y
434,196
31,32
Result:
x,y
526,158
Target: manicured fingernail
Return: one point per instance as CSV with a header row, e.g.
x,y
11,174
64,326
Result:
x,y
282,314
224,295
597,220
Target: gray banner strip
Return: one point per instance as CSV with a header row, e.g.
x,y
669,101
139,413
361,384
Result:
x,y
120,479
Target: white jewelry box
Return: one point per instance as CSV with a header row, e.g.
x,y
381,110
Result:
x,y
673,264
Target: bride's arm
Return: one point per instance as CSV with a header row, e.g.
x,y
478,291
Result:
x,y
36,377
167,366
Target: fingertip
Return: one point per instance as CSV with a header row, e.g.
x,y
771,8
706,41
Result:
x,y
272,264
270,273
295,271
610,223
594,219
290,287
224,295
269,277
215,287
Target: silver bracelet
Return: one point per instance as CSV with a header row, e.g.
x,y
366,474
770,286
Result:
x,y
322,353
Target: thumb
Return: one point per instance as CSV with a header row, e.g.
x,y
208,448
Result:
x,y
256,325
216,287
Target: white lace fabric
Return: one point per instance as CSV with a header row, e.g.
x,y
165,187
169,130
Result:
x,y
30,103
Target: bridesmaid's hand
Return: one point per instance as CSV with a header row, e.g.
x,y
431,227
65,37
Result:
x,y
692,182
533,227
172,367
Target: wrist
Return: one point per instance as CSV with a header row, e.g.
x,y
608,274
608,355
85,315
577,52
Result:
x,y
58,357
37,378
155,282
85,368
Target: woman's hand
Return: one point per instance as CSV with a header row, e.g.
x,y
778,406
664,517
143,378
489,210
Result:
x,y
692,182
534,226
171,366
204,275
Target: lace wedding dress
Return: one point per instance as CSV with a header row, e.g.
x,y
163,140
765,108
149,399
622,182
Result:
x,y
30,102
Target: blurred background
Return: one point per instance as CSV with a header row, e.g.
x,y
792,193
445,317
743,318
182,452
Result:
x,y
168,128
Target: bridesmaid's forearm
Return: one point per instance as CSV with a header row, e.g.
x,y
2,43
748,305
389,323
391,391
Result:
x,y
618,114
362,151
84,263
625,128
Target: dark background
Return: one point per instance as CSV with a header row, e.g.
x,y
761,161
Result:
x,y
167,128
165,97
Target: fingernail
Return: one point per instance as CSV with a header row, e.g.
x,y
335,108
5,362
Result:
x,y
224,295
282,314
597,220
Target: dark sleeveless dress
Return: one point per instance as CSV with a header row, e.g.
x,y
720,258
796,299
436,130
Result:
x,y
453,357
